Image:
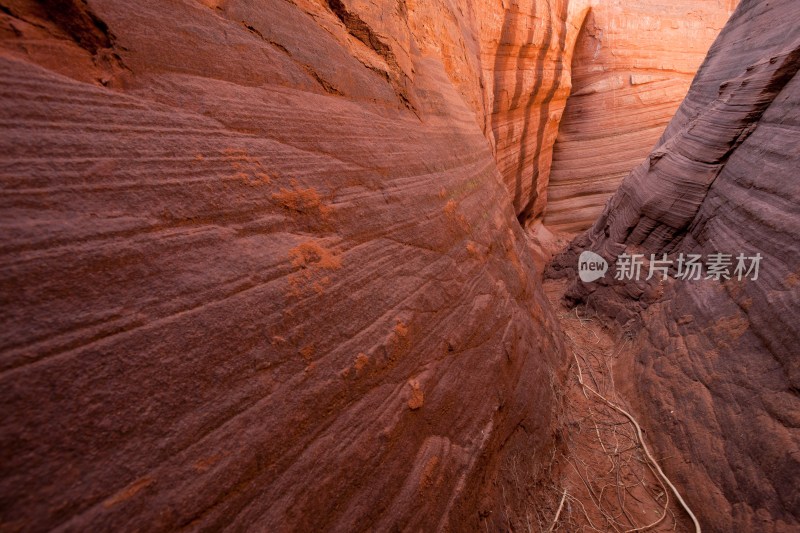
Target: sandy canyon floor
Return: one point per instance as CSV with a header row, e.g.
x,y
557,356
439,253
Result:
x,y
609,480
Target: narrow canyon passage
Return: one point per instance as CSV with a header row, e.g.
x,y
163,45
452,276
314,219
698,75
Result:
x,y
298,266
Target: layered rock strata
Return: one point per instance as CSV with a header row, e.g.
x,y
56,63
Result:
x,y
631,69
258,270
716,364
529,76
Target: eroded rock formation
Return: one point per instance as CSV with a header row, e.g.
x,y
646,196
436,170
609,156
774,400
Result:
x,y
717,365
632,67
529,61
261,265
258,270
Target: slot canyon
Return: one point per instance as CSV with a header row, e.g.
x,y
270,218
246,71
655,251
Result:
x,y
321,265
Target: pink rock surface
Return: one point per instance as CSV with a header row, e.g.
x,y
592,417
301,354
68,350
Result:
x,y
529,85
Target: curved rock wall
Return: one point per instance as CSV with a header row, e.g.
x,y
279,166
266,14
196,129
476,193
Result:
x,y
529,80
632,67
260,266
258,270
717,363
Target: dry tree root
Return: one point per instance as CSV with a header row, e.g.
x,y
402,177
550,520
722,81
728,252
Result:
x,y
610,468
612,480
652,463
558,512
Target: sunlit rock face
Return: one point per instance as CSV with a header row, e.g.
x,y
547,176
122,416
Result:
x,y
631,68
716,359
527,54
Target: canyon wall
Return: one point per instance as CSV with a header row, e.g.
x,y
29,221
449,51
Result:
x,y
631,69
716,364
620,68
261,265
527,59
259,270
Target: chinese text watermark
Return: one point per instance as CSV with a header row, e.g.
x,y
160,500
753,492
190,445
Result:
x,y
686,267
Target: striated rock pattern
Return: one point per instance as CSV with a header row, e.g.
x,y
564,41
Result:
x,y
631,69
258,270
529,74
717,364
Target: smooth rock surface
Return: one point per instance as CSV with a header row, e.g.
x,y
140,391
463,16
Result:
x,y
529,80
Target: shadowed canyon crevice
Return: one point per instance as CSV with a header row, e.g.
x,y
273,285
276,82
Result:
x,y
280,265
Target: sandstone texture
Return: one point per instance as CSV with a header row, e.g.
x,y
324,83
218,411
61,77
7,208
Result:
x,y
717,366
631,68
620,68
262,266
528,84
259,271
